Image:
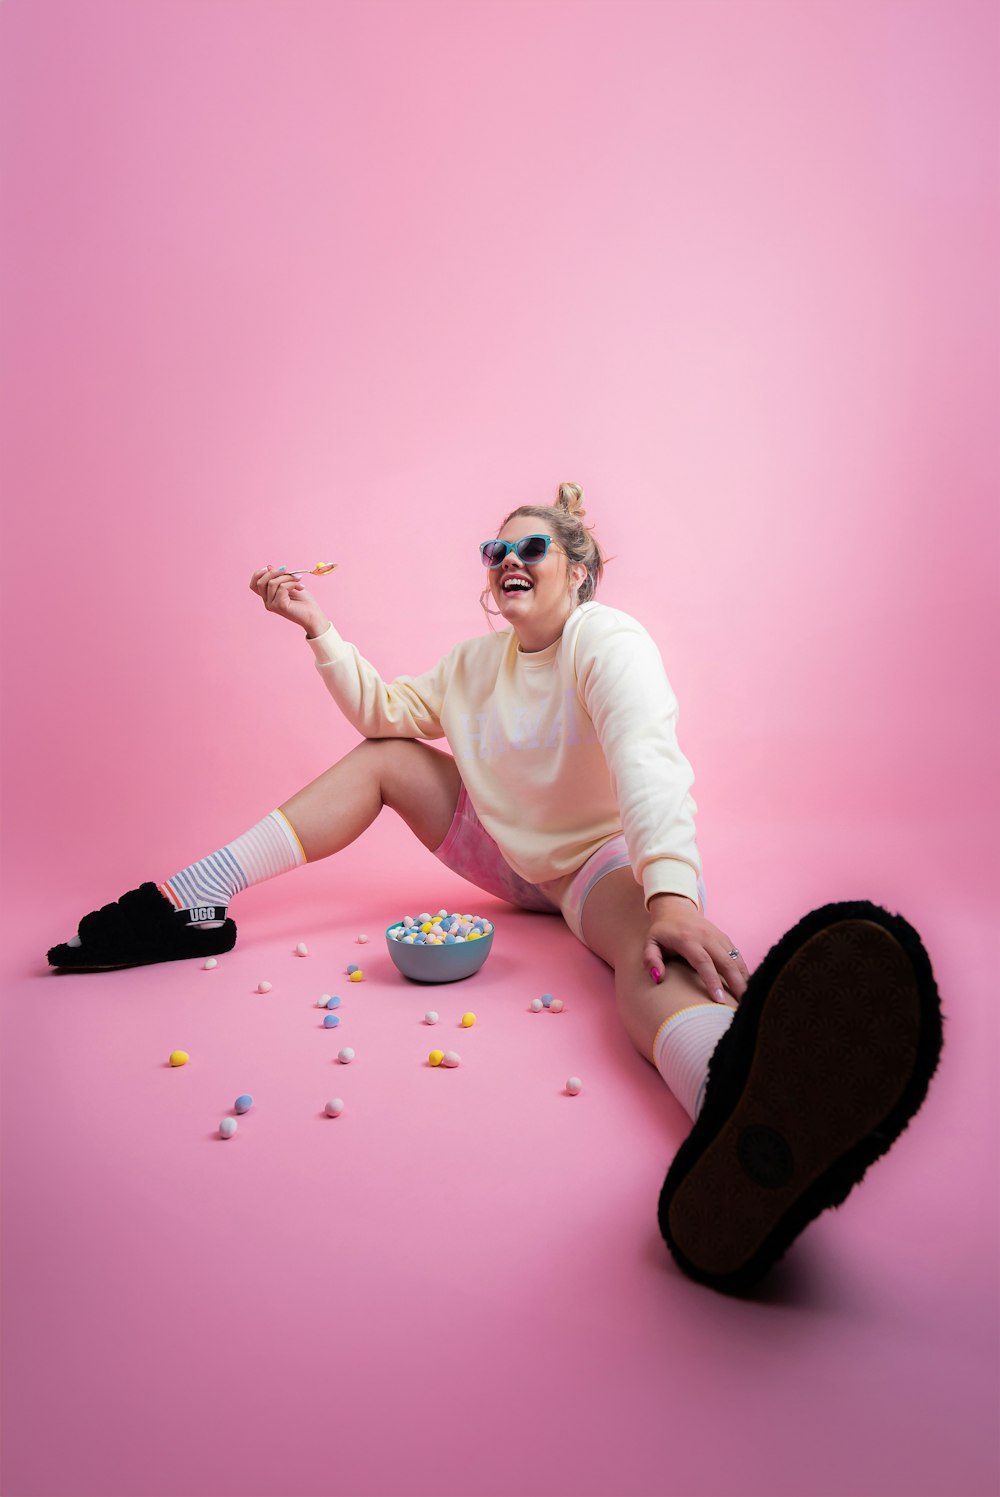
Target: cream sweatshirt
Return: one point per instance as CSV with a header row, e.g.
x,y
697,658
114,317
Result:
x,y
559,750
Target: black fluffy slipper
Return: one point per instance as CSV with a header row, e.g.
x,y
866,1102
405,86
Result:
x,y
137,930
829,1056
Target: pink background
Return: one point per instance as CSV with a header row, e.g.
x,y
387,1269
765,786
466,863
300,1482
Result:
x,y
293,281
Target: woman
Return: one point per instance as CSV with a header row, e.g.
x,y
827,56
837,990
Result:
x,y
566,791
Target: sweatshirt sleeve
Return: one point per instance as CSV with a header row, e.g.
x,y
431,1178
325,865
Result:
x,y
624,687
409,707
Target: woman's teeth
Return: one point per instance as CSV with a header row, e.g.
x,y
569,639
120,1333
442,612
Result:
x,y
516,585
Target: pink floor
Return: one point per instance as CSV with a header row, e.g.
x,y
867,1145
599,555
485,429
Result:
x,y
458,1287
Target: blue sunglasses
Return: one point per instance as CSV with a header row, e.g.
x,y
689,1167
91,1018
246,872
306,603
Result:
x,y
529,549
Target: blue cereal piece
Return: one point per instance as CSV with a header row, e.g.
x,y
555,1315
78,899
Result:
x,y
333,1002
547,1000
449,939
353,968
330,1021
244,1103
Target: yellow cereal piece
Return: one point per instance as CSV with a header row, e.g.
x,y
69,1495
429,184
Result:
x,y
468,1020
474,935
436,1057
358,976
436,920
179,1057
426,927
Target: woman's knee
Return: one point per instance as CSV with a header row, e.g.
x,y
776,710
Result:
x,y
420,783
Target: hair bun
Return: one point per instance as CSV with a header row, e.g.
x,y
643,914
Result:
x,y
571,499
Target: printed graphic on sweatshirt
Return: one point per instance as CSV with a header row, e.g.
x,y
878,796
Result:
x,y
484,736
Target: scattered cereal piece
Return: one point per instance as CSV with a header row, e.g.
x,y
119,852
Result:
x,y
228,1127
334,1107
430,1017
574,1085
302,949
556,1006
451,1058
244,1103
536,1005
362,940
322,1000
436,1057
468,1020
547,1000
353,967
330,1021
263,987
179,1057
357,975
210,964
346,1056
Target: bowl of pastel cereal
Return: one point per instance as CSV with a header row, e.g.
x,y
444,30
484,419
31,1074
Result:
x,y
441,947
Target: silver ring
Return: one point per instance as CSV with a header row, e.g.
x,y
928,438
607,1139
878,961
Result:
x,y
734,953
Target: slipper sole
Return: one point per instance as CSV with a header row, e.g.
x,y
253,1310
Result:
x,y
828,1057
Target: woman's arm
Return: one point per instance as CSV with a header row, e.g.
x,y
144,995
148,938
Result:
x,y
410,707
624,687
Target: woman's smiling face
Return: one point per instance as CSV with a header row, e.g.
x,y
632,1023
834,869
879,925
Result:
x,y
538,611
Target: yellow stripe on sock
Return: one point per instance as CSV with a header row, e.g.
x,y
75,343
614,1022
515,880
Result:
x,y
666,1021
279,812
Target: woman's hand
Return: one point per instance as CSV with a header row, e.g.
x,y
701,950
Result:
x,y
678,928
285,595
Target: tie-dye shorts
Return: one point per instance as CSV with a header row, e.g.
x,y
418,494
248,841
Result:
x,y
470,851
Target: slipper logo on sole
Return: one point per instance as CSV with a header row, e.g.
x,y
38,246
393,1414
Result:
x,y
765,1156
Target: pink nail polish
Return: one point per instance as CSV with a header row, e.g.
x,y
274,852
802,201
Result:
x,y
655,974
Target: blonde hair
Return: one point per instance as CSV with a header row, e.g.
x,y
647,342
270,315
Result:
x,y
565,520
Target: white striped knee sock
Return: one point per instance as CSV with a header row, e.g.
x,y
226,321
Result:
x,y
267,849
683,1047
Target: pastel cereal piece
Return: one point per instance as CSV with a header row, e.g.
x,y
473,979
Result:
x,y
179,1057
228,1127
362,940
302,949
263,987
451,1058
574,1085
346,1055
334,1107
468,1020
430,1017
210,964
436,1057
536,1005
357,976
556,1006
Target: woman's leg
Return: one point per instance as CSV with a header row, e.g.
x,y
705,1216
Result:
x,y
615,926
420,783
186,915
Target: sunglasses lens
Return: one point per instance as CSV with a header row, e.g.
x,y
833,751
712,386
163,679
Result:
x,y
531,548
493,553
